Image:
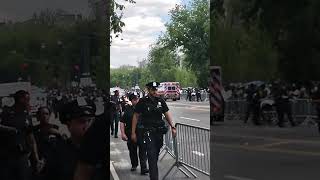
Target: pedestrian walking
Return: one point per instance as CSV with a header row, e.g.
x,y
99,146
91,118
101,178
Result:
x,y
126,127
150,111
116,114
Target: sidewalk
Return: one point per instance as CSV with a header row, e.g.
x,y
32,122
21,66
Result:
x,y
119,156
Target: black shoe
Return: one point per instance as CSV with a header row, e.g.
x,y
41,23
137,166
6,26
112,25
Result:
x,y
281,125
111,133
115,136
144,171
134,168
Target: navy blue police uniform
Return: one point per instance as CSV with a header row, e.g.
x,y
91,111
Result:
x,y
151,110
132,146
63,160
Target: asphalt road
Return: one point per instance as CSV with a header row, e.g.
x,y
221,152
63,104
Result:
x,y
246,152
191,113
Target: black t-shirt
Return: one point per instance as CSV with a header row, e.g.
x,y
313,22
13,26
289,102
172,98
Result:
x,y
151,110
45,140
127,118
116,100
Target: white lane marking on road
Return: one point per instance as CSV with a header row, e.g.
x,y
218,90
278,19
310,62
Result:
x,y
198,153
190,108
236,177
190,119
113,171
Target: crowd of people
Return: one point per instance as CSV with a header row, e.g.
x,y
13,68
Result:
x,y
35,147
296,90
281,94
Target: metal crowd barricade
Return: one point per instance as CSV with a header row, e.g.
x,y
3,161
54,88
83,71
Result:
x,y
235,109
205,96
192,150
304,108
167,147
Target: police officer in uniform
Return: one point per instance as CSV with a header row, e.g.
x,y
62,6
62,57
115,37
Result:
x,y
93,155
189,94
150,111
198,94
283,106
116,114
126,126
62,161
250,105
17,140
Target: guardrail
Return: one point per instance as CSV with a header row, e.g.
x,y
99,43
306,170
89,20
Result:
x,y
168,147
191,148
301,108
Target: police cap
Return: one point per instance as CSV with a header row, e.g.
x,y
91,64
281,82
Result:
x,y
132,96
152,85
76,109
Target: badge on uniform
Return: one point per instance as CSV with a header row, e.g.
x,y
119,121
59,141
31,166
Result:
x,y
159,105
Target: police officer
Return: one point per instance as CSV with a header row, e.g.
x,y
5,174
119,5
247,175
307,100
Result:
x,y
198,94
189,94
283,106
150,111
116,114
126,127
62,160
93,155
256,100
250,105
17,139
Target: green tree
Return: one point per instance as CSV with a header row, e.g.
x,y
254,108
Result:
x,y
293,27
245,52
189,30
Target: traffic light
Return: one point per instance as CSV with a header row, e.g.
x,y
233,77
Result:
x,y
24,66
76,67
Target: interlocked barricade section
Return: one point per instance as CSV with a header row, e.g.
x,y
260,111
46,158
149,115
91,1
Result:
x,y
168,147
191,150
304,109
235,109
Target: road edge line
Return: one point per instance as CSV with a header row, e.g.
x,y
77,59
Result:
x,y
113,171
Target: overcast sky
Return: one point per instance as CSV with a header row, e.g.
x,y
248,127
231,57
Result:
x,y
144,21
23,9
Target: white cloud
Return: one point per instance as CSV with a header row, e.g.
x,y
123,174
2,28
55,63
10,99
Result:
x,y
144,21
